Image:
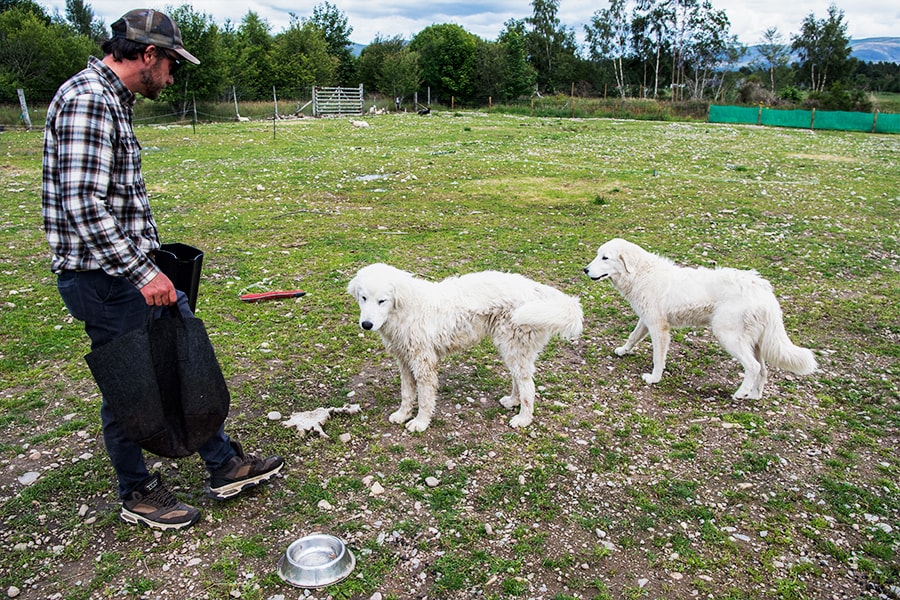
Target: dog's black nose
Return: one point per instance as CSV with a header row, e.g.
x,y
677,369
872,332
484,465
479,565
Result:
x,y
367,325
586,269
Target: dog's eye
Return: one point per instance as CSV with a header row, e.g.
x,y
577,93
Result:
x,y
382,301
604,258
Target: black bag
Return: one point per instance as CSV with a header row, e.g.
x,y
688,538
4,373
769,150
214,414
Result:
x,y
164,384
182,265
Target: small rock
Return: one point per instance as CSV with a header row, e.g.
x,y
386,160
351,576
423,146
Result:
x,y
13,591
377,489
34,455
344,438
676,576
29,477
488,529
376,596
274,416
642,583
432,481
324,504
82,510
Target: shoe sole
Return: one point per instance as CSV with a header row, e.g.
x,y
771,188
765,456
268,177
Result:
x,y
136,519
233,489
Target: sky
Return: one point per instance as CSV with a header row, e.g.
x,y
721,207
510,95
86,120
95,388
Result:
x,y
404,18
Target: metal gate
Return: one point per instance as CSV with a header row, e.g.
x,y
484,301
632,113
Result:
x,y
337,101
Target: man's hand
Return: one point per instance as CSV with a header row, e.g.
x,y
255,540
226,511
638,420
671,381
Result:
x,y
159,292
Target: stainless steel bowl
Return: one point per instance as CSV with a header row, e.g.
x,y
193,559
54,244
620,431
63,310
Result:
x,y
316,561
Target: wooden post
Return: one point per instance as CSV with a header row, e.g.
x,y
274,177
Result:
x,y
573,99
24,107
237,115
194,100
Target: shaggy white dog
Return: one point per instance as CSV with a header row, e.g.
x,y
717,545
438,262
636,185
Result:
x,y
420,322
737,305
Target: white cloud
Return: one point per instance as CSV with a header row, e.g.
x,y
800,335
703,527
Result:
x,y
405,18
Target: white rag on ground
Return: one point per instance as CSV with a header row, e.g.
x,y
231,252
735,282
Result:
x,y
312,420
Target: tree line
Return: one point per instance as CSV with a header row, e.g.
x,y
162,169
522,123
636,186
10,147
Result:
x,y
663,49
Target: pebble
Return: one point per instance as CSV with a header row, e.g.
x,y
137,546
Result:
x,y
642,583
344,438
29,477
274,416
13,591
432,481
676,576
324,505
377,489
376,596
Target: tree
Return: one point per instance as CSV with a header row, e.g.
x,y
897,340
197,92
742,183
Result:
x,y
81,17
301,59
775,55
651,29
518,76
824,49
607,36
336,31
709,49
252,71
372,59
447,59
551,46
399,75
37,55
211,80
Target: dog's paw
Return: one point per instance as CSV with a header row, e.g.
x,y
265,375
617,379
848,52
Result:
x,y
417,425
520,421
622,351
399,417
509,402
743,394
650,378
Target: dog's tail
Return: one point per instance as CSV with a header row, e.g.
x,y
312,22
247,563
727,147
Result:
x,y
777,349
561,316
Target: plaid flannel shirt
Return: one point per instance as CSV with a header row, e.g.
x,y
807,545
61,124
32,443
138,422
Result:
x,y
95,206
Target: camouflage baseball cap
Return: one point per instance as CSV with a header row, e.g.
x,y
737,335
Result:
x,y
148,26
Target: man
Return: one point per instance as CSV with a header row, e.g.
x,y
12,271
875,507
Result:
x,y
102,235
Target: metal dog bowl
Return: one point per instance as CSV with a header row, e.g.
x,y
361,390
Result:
x,y
316,561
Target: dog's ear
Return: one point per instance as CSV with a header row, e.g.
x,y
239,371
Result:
x,y
353,288
626,261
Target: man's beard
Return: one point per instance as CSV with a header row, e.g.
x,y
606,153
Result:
x,y
151,88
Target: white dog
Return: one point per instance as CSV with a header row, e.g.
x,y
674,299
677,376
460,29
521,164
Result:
x,y
738,306
420,322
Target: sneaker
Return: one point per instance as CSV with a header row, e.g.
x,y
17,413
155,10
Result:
x,y
153,505
241,472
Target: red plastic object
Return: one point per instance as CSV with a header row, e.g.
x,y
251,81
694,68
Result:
x,y
276,295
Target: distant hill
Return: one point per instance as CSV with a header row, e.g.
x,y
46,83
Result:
x,y
881,49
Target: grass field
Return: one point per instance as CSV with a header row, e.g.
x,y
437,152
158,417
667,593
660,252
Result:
x,y
618,489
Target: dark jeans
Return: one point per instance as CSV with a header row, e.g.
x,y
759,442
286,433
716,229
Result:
x,y
110,307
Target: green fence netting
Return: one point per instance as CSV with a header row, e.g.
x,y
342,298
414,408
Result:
x,y
733,114
841,120
806,119
887,123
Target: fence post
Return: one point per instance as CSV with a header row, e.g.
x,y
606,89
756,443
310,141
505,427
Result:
x,y
812,119
875,122
24,106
